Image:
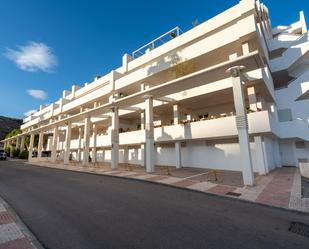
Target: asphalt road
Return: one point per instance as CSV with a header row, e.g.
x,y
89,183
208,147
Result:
x,y
76,210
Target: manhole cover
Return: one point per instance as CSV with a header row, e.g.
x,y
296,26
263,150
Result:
x,y
233,194
299,228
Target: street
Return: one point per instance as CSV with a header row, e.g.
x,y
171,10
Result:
x,y
76,210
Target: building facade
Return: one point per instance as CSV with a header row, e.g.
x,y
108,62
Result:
x,y
231,93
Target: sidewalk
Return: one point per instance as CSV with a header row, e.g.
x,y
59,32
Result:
x,y
280,188
13,233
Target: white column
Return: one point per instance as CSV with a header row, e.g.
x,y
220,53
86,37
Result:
x,y
115,139
103,155
54,144
150,150
31,146
86,141
18,143
40,144
252,98
259,154
22,144
242,126
94,148
178,154
126,155
176,114
79,150
67,147
142,120
142,145
11,149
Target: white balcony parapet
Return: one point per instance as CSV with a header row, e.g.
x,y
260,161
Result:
x,y
294,129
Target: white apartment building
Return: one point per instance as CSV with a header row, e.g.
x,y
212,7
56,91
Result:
x,y
231,93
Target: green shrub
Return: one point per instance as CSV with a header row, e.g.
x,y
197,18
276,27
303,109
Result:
x,y
16,152
23,154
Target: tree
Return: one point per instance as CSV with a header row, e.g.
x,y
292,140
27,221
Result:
x,y
13,133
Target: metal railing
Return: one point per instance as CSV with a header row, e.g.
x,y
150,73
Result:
x,y
173,33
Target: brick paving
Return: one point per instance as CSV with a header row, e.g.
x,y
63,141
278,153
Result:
x,y
280,188
278,191
221,189
13,233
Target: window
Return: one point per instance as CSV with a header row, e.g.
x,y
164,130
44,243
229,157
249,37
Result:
x,y
285,115
302,160
300,145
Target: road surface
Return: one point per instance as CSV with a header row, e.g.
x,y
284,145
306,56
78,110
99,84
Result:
x,y
77,210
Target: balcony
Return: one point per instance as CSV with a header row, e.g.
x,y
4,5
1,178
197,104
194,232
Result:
x,y
294,129
259,122
224,127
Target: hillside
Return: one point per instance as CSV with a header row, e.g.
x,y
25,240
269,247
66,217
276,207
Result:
x,y
8,124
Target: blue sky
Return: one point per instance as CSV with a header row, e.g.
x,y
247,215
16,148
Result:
x,y
75,40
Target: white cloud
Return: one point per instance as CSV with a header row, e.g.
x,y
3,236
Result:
x,y
33,57
28,113
37,94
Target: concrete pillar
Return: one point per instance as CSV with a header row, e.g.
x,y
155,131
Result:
x,y
86,141
103,155
142,128
252,98
94,148
150,150
54,144
67,147
11,149
17,143
79,150
260,157
126,155
22,144
242,125
178,154
176,114
31,146
142,120
115,139
40,145
143,161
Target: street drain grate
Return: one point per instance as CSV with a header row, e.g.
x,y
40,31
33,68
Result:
x,y
299,228
233,194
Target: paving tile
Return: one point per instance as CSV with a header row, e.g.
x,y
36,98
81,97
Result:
x,y
184,183
115,172
136,175
6,218
202,186
126,174
156,178
221,189
278,191
2,208
10,232
145,176
169,180
17,244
